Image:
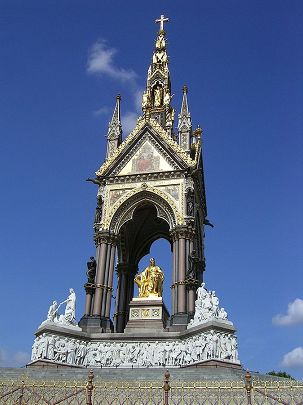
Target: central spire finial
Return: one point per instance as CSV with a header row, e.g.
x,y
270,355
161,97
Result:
x,y
162,20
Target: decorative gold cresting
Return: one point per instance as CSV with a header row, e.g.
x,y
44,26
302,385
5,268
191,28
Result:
x,y
150,281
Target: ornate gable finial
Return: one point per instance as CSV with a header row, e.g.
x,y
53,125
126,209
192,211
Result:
x,y
114,134
157,96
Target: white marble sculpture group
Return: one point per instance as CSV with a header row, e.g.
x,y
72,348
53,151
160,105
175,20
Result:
x,y
207,307
69,316
205,346
202,345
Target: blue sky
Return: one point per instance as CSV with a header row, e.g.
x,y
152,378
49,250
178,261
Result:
x,y
62,64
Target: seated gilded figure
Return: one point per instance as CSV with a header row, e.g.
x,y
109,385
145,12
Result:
x,y
150,281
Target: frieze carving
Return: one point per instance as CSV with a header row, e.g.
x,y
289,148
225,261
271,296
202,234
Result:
x,y
211,344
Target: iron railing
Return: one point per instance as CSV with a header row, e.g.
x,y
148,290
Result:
x,y
248,392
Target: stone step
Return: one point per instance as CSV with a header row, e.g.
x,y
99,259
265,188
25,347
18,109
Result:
x,y
110,374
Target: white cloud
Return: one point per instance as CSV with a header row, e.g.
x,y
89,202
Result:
x,y
21,358
129,120
138,99
101,61
293,358
17,359
102,110
294,314
2,356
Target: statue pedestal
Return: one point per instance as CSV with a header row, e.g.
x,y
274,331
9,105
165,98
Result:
x,y
146,314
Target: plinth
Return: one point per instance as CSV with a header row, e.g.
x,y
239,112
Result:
x,y
148,314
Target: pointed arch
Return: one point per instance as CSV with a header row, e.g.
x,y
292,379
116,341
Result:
x,y
126,210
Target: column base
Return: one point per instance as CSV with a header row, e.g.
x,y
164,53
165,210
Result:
x,y
96,324
179,321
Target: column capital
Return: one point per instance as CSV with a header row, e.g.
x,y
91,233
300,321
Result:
x,y
183,232
105,237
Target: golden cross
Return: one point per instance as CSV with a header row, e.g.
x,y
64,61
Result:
x,y
162,20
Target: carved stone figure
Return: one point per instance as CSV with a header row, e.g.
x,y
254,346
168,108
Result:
x,y
201,292
215,304
193,265
70,309
91,270
207,307
222,314
190,204
98,215
150,281
52,315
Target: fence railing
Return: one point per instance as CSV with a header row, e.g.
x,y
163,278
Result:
x,y
258,392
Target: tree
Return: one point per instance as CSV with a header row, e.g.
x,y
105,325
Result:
x,y
282,374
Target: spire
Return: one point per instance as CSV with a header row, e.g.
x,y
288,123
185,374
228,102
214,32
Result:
x,y
157,96
184,107
185,124
114,134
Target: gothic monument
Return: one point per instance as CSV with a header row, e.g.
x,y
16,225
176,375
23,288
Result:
x,y
150,186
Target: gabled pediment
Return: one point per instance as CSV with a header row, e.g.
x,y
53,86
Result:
x,y
148,158
147,149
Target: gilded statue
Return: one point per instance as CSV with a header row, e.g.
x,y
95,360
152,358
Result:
x,y
158,93
150,281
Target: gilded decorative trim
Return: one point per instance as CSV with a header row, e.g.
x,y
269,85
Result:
x,y
179,217
129,138
157,127
173,144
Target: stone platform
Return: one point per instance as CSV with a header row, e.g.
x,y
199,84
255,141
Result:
x,y
213,342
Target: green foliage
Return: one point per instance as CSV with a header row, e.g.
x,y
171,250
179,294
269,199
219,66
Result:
x,y
282,374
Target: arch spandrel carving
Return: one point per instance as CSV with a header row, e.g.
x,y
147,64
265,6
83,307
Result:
x,y
123,210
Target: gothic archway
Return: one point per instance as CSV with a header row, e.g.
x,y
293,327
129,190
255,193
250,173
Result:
x,y
126,210
140,221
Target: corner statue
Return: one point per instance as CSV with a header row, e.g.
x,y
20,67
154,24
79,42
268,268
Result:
x,y
150,281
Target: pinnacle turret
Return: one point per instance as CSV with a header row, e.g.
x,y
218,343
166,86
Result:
x,y
184,123
157,96
114,134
